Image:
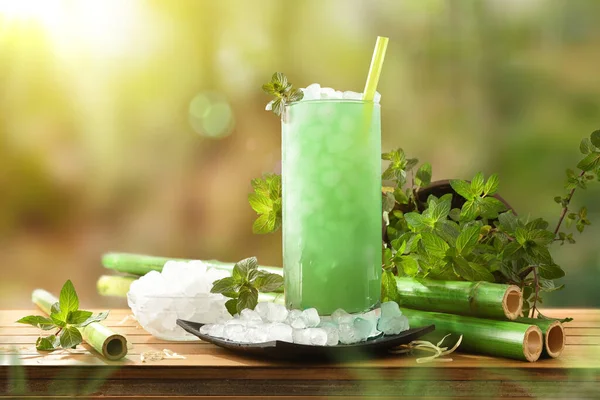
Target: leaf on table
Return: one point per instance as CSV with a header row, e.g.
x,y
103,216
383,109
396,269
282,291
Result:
x,y
40,322
47,343
70,337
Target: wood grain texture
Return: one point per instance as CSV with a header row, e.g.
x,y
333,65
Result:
x,y
209,372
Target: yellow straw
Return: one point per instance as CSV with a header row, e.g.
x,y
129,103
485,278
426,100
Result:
x,y
375,69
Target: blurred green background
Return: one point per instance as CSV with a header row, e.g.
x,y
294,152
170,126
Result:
x,y
133,125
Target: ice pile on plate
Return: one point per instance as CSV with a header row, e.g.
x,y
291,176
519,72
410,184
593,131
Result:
x,y
270,321
316,92
181,290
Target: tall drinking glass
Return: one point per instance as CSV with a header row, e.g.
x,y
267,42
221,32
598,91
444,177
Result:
x,y
331,177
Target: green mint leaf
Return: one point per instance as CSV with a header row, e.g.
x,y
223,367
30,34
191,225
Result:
x,y
388,202
415,221
469,211
58,319
411,163
78,317
231,306
389,291
47,343
595,138
296,95
490,207
248,298
590,162
55,309
491,186
434,245
70,337
438,208
537,223
279,79
550,271
467,240
471,271
224,285
586,146
547,285
278,106
447,230
408,264
477,184
508,221
264,224
94,318
387,257
268,282
423,175
40,322
454,214
243,267
462,188
68,299
260,203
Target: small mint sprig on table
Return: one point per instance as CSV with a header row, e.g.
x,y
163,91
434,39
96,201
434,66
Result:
x,y
66,318
283,91
243,285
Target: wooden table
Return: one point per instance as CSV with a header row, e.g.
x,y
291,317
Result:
x,y
211,372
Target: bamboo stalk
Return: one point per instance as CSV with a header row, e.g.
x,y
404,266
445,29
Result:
x,y
111,345
114,285
139,264
484,336
554,335
476,299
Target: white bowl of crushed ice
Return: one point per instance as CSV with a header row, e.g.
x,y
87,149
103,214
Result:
x,y
182,291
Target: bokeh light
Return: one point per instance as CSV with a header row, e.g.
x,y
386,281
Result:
x,y
211,115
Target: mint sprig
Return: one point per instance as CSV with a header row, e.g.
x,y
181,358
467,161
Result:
x,y
283,91
244,284
266,201
66,317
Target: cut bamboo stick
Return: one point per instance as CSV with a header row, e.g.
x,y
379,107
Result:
x,y
476,299
484,336
554,335
114,285
111,345
139,264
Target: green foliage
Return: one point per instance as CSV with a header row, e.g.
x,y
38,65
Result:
x,y
282,90
266,201
243,285
66,317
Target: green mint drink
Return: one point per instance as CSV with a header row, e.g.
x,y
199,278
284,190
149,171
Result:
x,y
332,205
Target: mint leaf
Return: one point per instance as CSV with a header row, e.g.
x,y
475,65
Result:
x,y
477,184
438,208
268,282
469,211
491,186
550,271
265,223
55,309
462,188
43,323
224,285
415,220
586,146
508,221
266,201
78,317
389,290
94,318
59,319
467,239
260,204
68,300
408,264
434,245
47,343
231,306
388,202
490,207
248,298
471,271
423,175
242,268
595,138
590,162
282,90
70,337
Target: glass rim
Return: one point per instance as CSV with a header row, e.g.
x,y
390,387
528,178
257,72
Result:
x,y
332,101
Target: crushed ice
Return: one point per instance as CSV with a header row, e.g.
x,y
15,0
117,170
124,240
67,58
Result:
x,y
271,321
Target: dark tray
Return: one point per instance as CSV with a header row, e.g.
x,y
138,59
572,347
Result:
x,y
286,350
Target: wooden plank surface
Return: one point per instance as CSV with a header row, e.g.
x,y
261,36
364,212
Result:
x,y
208,370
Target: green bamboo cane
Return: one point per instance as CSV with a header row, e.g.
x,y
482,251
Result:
x,y
111,345
140,264
476,299
484,336
114,285
554,335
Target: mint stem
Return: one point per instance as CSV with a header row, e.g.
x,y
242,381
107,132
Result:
x,y
566,207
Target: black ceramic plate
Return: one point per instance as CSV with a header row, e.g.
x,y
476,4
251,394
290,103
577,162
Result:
x,y
285,350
